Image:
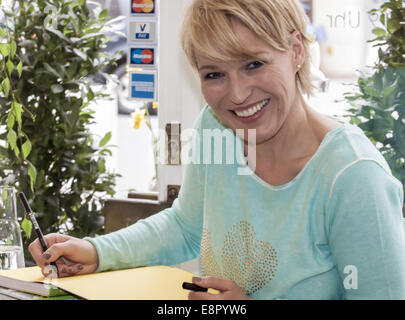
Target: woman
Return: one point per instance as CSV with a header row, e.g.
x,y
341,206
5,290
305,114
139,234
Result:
x,y
320,215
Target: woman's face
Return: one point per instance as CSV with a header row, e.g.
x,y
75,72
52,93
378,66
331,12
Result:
x,y
252,94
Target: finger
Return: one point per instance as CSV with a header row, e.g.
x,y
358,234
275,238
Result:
x,y
36,251
70,270
56,251
65,261
214,283
53,238
35,248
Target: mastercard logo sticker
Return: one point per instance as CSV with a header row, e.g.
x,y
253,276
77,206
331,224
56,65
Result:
x,y
142,56
143,6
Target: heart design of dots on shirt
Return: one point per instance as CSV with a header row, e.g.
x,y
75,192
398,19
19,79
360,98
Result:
x,y
250,262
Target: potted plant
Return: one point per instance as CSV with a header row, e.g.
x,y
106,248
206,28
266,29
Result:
x,y
378,107
49,51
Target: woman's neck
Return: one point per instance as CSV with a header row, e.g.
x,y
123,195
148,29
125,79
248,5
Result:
x,y
284,155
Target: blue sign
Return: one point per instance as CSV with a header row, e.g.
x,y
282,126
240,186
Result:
x,y
143,86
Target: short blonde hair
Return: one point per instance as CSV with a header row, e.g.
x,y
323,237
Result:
x,y
207,29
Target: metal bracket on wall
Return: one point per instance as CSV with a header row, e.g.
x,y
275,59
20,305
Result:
x,y
172,193
173,131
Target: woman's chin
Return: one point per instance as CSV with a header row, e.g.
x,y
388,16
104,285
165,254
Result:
x,y
254,136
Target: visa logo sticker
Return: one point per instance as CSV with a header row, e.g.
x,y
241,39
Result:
x,y
142,31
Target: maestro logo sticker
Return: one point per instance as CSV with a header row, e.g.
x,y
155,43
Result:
x,y
142,6
141,56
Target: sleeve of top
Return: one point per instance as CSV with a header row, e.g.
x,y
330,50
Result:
x,y
169,237
366,234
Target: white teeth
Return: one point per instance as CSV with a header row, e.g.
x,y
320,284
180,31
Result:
x,y
251,111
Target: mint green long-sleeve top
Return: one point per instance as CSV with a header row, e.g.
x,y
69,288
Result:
x,y
333,232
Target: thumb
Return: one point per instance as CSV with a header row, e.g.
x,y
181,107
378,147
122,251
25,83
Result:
x,y
214,283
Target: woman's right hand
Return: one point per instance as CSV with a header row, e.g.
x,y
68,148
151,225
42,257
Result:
x,y
72,255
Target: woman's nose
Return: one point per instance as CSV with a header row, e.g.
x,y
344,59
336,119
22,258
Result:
x,y
239,90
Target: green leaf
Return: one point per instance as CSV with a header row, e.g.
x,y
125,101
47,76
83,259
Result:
x,y
105,151
19,69
379,32
10,120
13,49
10,66
51,70
26,148
92,35
26,226
12,139
105,140
103,14
90,95
6,86
101,166
388,97
4,49
392,26
80,54
58,33
32,173
18,110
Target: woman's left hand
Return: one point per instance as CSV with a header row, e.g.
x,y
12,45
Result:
x,y
228,289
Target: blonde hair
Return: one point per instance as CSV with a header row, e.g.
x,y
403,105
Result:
x,y
207,29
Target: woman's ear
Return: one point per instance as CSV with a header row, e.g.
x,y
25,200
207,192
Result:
x,y
297,49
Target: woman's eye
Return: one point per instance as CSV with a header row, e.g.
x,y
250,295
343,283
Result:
x,y
213,75
254,65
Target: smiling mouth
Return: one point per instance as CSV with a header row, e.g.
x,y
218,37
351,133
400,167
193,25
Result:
x,y
246,113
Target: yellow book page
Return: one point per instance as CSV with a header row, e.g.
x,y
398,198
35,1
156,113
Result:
x,y
32,274
145,283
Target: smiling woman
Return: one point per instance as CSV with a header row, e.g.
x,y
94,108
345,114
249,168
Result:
x,y
321,201
256,78
272,22
211,31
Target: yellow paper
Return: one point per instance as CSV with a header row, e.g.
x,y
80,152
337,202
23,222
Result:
x,y
32,274
145,283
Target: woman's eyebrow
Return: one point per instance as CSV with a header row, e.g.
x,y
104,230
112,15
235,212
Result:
x,y
209,67
257,54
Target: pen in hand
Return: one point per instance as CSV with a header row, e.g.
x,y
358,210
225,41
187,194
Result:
x,y
54,269
193,287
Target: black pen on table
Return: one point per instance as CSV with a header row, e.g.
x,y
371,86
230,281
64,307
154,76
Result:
x,y
38,231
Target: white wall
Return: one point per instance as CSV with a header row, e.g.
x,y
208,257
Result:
x,y
180,99
105,120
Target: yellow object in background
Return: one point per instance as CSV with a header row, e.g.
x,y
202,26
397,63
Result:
x,y
139,117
